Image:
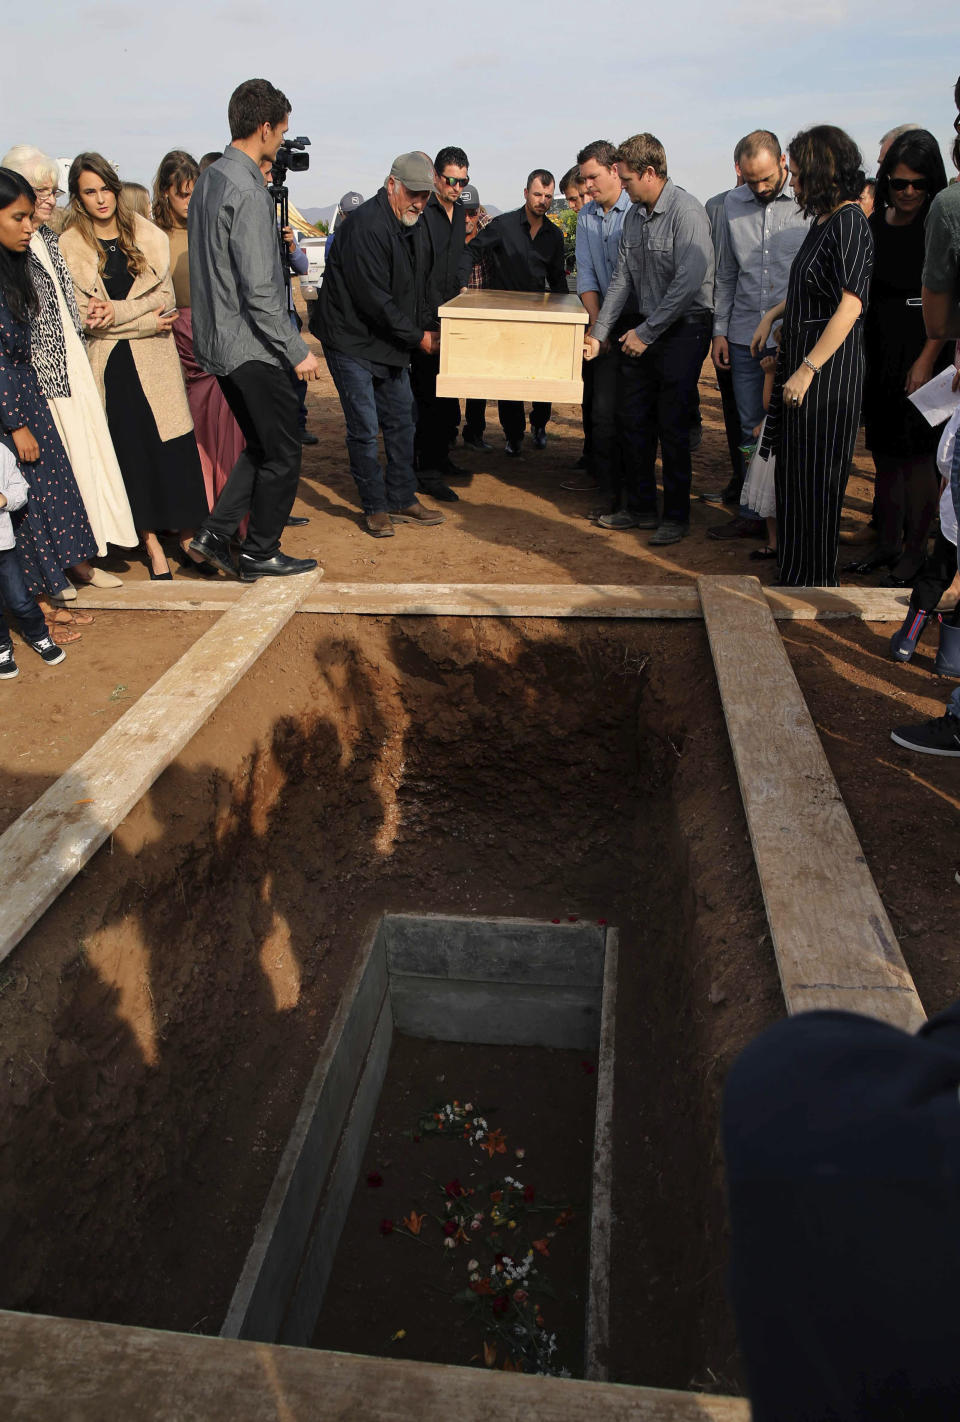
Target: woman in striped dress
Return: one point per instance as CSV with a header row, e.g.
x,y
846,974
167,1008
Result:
x,y
815,410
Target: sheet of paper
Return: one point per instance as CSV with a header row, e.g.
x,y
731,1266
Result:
x,y
936,400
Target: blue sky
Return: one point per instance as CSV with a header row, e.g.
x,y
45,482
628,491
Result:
x,y
518,85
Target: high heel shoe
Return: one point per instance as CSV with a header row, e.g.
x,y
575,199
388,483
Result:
x,y
166,577
194,565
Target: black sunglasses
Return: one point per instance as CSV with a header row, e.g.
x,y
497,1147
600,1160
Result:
x,y
900,185
456,182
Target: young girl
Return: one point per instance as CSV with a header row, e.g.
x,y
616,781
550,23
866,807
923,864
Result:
x,y
120,264
759,494
14,492
54,533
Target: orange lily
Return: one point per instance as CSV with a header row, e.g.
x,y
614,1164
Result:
x,y
495,1143
413,1222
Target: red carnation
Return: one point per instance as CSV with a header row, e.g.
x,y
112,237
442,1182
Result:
x,y
386,1226
528,1194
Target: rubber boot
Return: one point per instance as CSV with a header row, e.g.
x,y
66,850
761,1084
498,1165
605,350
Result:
x,y
903,643
948,653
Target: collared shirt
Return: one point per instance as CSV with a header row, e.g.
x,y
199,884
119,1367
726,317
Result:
x,y
758,242
239,305
665,265
598,242
713,207
520,262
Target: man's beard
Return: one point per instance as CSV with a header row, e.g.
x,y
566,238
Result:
x,y
410,219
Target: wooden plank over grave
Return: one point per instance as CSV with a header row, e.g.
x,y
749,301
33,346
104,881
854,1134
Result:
x,y
95,1372
44,849
834,944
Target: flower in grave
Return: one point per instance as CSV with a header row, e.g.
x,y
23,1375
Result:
x,y
496,1196
482,1287
450,1228
519,1152
374,1179
520,1296
501,1303
477,1222
386,1226
454,1189
413,1222
564,1217
495,1143
541,1246
528,1194
473,1265
588,1068
449,1244
468,1106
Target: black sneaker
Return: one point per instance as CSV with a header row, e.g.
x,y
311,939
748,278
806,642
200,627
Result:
x,y
47,648
939,737
8,667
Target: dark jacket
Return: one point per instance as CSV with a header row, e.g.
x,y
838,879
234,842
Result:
x,y
442,243
371,299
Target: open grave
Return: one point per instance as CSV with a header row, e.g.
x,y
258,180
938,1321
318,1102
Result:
x,y
169,1005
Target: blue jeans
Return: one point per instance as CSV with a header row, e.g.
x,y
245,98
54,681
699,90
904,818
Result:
x,y
15,598
747,380
371,403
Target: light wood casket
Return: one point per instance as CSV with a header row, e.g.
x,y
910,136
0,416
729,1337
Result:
x,y
512,345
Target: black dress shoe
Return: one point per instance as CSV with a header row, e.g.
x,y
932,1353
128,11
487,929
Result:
x,y
295,521
161,577
731,494
475,441
448,467
437,489
870,565
281,565
215,549
307,438
539,433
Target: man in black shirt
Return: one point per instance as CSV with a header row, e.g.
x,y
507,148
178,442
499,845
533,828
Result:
x,y
368,317
525,250
442,233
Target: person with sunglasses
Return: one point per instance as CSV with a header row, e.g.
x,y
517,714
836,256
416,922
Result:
x,y
525,251
442,237
941,317
900,358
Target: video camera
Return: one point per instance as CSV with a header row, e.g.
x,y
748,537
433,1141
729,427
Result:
x,y
290,158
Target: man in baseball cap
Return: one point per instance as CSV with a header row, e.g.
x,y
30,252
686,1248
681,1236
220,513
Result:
x,y
368,317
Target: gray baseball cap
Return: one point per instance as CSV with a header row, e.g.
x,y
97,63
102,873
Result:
x,y
349,202
415,171
469,197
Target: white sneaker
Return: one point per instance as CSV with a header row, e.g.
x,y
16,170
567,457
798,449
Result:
x,y
8,667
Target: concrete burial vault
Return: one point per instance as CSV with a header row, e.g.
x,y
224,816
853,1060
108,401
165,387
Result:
x,y
521,981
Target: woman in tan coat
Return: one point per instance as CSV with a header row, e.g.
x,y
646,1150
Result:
x,y
120,265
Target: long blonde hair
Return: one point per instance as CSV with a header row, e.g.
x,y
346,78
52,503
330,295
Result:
x,y
80,219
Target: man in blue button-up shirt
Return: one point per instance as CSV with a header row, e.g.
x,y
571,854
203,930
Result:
x,y
760,232
598,242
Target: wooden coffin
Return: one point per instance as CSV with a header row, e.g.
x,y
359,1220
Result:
x,y
512,345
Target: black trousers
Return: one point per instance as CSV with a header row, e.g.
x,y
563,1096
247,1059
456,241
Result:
x,y
263,482
475,417
437,416
659,401
936,575
513,421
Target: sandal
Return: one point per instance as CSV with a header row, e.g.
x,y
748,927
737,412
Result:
x,y
763,554
63,618
63,636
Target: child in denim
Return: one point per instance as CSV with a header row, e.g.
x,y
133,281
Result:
x,y
13,591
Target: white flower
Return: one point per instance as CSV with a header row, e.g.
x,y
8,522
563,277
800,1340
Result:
x,y
520,1152
475,1224
449,1244
473,1264
468,1106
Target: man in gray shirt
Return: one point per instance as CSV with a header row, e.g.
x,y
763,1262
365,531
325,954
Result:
x,y
760,231
665,268
242,335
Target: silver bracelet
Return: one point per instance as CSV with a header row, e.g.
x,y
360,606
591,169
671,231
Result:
x,y
810,366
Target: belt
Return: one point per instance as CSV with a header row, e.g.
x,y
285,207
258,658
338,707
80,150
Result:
x,y
693,318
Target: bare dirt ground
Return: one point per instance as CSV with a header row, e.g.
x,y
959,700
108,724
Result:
x,y
158,1024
